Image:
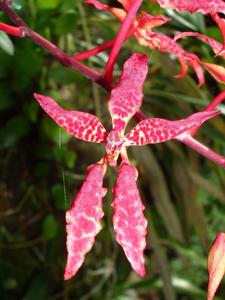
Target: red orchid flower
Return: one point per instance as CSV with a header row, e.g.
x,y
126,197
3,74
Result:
x,y
83,218
141,29
216,264
209,7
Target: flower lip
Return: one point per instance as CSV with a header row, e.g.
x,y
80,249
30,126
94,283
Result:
x,y
113,147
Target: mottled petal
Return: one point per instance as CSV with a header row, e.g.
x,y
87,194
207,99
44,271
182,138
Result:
x,y
216,264
126,98
128,219
216,46
193,6
206,7
83,219
221,24
155,130
83,126
163,43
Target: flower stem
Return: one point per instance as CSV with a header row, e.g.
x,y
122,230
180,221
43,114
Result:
x,y
216,101
202,149
120,38
94,51
61,56
12,30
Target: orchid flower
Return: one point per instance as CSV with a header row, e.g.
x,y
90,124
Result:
x,y
141,29
83,217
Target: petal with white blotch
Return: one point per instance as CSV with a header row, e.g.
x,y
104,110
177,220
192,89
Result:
x,y
216,264
129,221
83,219
126,98
193,6
155,130
216,46
83,126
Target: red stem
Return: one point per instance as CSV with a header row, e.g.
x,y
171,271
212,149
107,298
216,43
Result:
x,y
200,148
94,51
61,56
216,101
120,38
12,30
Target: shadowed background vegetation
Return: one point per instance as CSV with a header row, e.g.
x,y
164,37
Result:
x,y
42,167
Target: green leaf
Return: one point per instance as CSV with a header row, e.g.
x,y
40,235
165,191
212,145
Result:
x,y
38,288
54,132
26,66
42,169
6,44
50,227
48,4
14,129
66,23
5,100
69,157
57,192
61,75
31,110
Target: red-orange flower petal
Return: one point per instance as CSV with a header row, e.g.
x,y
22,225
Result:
x,y
217,71
216,264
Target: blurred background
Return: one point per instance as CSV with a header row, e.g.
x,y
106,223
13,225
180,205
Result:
x,y
42,167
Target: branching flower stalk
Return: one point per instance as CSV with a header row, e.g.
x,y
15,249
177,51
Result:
x,y
61,56
120,38
84,216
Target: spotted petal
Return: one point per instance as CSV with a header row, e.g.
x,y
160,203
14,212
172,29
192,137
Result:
x,y
216,46
164,43
155,130
126,98
216,264
83,126
83,219
193,6
209,7
128,219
